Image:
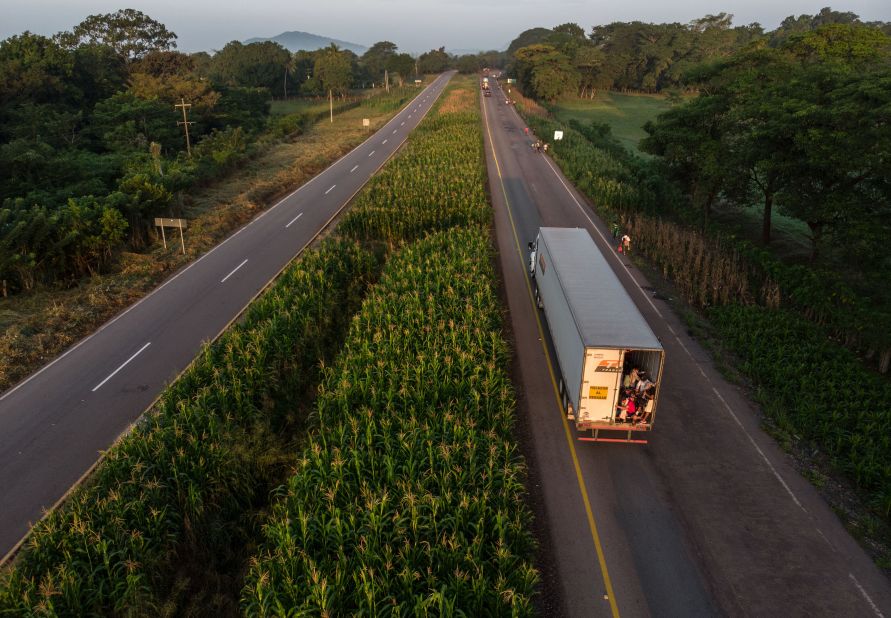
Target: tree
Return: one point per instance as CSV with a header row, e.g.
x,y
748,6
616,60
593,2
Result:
x,y
402,65
258,65
332,70
131,33
164,64
434,61
98,73
689,140
35,69
468,63
376,60
544,72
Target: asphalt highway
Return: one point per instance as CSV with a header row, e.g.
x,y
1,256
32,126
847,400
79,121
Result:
x,y
55,424
709,518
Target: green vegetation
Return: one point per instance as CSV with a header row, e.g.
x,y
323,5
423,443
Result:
x,y
179,491
643,57
625,114
816,389
422,509
412,465
91,150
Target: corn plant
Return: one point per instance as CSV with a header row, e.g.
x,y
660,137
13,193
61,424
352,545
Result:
x,y
183,478
438,182
408,499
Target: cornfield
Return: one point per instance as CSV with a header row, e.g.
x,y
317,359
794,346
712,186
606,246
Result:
x,y
182,479
409,498
438,182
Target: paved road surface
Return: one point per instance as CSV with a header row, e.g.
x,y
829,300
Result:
x,y
53,425
709,518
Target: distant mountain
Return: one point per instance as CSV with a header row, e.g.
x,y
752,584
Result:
x,y
295,41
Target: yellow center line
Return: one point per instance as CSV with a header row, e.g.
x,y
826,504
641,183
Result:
x,y
592,525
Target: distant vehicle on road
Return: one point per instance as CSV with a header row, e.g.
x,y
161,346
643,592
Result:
x,y
610,361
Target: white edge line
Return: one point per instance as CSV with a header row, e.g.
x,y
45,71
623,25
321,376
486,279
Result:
x,y
866,596
760,452
292,220
330,189
114,373
223,280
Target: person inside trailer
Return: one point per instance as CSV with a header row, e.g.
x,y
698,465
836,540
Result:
x,y
643,383
627,408
648,399
630,379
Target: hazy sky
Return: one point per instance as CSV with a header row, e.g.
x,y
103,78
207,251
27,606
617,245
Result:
x,y
414,25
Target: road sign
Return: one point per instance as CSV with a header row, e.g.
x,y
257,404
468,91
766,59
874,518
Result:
x,y
558,135
511,80
163,222
417,82
366,122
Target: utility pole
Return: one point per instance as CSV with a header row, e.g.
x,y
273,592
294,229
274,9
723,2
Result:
x,y
387,80
331,102
185,123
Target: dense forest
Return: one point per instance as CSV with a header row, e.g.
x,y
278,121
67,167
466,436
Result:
x,y
92,147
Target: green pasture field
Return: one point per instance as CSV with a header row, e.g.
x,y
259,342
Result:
x,y
626,114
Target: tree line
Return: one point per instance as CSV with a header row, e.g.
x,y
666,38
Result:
x,y
643,57
90,149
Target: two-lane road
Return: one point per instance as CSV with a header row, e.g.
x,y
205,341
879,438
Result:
x,y
708,518
54,424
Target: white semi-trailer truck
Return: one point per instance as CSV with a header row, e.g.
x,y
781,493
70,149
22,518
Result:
x,y
600,338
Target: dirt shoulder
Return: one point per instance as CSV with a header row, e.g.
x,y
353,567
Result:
x,y
35,328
